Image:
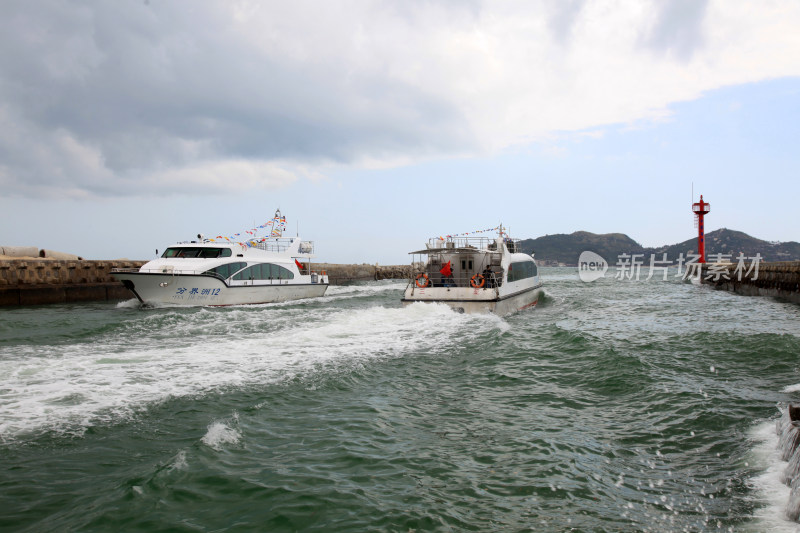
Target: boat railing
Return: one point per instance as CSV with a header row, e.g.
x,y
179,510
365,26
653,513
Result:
x,y
274,245
192,272
162,270
281,245
479,243
436,279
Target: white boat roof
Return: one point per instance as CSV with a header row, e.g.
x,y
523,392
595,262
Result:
x,y
456,250
290,246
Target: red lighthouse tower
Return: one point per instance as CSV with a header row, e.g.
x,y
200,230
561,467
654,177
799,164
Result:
x,y
701,208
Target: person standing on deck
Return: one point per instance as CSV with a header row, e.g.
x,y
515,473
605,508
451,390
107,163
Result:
x,y
488,275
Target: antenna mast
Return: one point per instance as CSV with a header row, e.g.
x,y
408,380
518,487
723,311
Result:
x,y
278,224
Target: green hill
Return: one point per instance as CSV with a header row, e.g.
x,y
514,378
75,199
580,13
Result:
x,y
565,249
730,242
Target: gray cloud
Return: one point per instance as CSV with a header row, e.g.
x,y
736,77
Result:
x,y
562,15
100,94
677,27
132,97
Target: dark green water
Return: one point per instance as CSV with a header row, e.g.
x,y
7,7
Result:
x,y
613,406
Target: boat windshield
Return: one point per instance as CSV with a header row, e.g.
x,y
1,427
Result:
x,y
195,251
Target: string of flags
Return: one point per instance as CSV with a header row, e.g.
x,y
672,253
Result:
x,y
278,225
469,233
276,228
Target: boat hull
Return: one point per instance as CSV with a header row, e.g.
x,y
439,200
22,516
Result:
x,y
469,300
178,289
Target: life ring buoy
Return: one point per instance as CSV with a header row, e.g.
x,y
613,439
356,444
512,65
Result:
x,y
477,281
423,280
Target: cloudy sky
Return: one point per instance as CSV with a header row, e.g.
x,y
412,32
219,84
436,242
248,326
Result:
x,y
126,126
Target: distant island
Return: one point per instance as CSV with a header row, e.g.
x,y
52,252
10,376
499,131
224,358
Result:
x,y
563,249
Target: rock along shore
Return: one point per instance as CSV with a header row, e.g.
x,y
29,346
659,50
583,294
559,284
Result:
x,y
780,279
36,281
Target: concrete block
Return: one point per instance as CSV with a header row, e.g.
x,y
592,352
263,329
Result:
x,y
20,251
52,254
89,293
9,296
118,292
41,295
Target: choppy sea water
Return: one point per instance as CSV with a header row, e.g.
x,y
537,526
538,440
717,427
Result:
x,y
612,406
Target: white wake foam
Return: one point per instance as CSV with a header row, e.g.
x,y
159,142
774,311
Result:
x,y
771,494
372,288
160,354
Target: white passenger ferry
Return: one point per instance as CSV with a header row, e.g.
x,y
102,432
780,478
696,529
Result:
x,y
222,272
475,274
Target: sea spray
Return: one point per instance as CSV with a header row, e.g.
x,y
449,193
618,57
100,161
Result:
x,y
221,433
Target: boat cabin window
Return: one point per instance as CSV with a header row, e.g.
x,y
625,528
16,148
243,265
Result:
x,y
522,270
225,271
264,271
189,251
466,265
215,252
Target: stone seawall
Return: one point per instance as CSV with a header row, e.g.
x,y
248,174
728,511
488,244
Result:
x,y
42,281
342,274
779,279
25,272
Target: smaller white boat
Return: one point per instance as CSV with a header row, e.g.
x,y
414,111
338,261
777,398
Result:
x,y
475,274
221,272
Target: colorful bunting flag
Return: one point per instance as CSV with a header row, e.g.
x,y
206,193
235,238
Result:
x,y
470,233
277,225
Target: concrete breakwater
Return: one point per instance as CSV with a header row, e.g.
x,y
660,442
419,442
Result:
x,y
343,274
48,281
778,279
